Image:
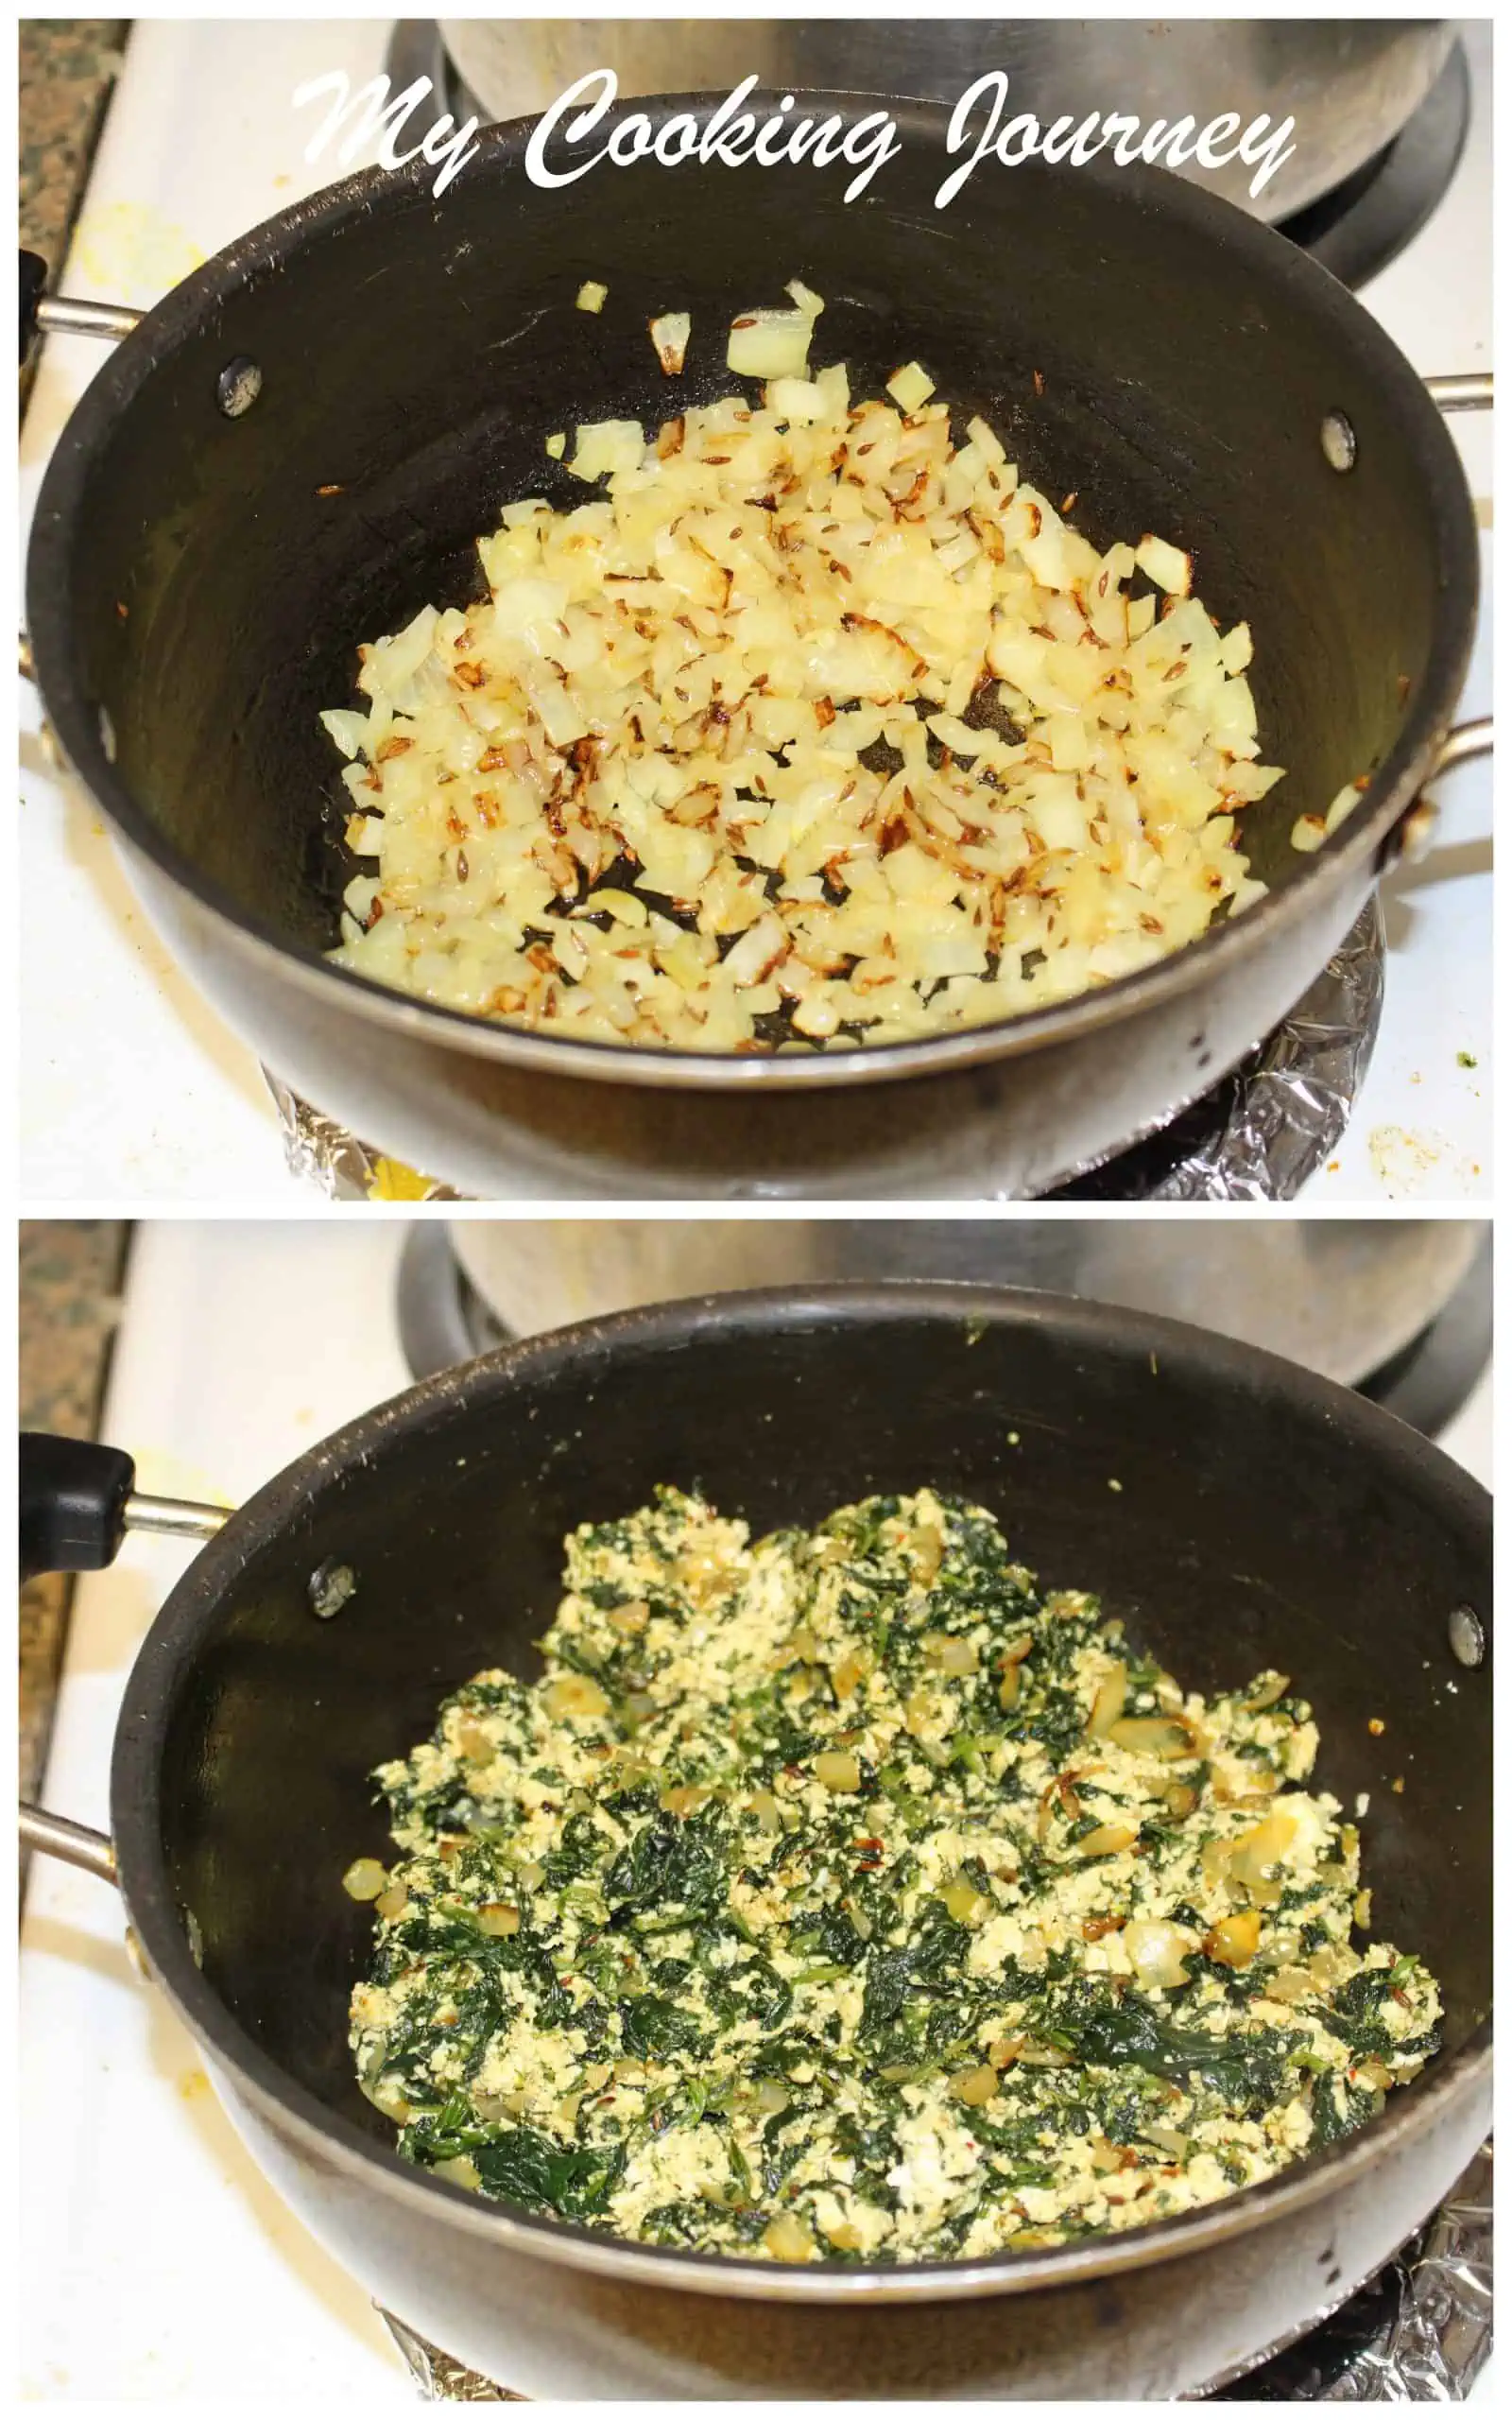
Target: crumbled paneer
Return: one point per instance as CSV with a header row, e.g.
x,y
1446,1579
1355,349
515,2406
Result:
x,y
846,1896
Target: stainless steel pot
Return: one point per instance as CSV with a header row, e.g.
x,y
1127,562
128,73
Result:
x,y
1339,1296
1350,83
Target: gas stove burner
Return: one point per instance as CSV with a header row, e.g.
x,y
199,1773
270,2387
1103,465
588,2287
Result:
x,y
1430,1380
1364,223
1354,230
443,1320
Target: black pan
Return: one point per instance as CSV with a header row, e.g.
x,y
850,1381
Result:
x,y
1264,1517
198,583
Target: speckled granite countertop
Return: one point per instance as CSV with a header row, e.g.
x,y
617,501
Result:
x,y
71,1271
66,68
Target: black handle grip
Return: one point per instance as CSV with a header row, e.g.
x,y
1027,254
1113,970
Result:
x,y
72,1500
31,286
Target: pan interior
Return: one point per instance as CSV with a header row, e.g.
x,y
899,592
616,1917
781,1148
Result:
x,y
1172,366
1249,1529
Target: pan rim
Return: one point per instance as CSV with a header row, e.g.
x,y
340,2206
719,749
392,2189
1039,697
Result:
x,y
291,2109
1347,860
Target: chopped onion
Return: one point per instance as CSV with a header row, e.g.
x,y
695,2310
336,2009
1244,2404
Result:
x,y
350,730
837,1770
1253,1852
950,1655
1309,832
670,336
769,344
787,2238
1168,2138
910,386
1109,1702
774,344
1234,1939
499,1920
1153,1734
1107,1839
1289,1984
622,904
609,445
1165,564
975,2086
797,400
1268,1690
574,1694
966,1903
633,797
591,296
1156,1950
684,1798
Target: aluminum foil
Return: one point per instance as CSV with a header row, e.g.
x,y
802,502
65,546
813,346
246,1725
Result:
x,y
1289,1102
325,1155
1261,1133
1257,1136
1417,2333
439,2379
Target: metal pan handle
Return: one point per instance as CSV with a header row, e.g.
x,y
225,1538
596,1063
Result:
x,y
1471,391
76,1501
44,313
1411,837
72,1843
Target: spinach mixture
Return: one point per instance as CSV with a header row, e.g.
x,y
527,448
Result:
x,y
844,1896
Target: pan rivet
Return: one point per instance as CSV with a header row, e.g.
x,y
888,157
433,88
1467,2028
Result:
x,y
1466,1639
1339,447
238,387
329,1588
